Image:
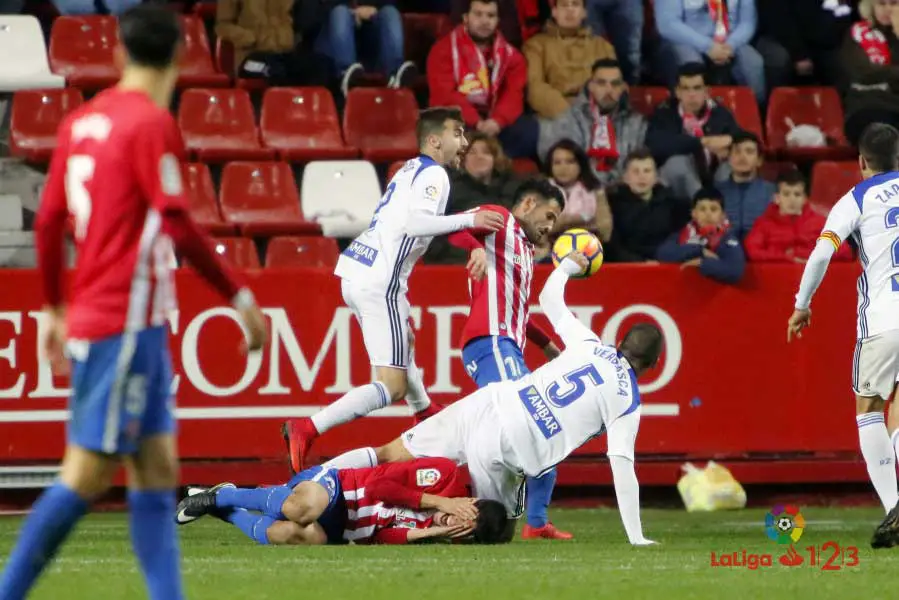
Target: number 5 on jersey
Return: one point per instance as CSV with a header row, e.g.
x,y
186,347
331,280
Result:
x,y
384,200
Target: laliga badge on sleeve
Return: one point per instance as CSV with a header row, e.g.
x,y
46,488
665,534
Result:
x,y
427,477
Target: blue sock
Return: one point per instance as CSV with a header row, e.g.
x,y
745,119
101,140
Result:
x,y
267,500
254,526
51,520
155,541
540,491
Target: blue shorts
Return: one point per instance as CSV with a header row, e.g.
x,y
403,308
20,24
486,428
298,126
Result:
x,y
121,391
333,518
492,358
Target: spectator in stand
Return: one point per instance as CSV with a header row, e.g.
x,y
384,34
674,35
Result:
x,y
690,135
11,7
86,7
800,39
707,242
621,21
718,32
788,230
746,194
870,63
600,121
559,59
509,26
475,68
586,205
644,212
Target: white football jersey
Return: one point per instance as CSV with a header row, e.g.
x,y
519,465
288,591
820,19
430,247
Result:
x,y
383,256
870,213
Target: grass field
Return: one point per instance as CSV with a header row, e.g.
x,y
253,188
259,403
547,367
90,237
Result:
x,y
219,563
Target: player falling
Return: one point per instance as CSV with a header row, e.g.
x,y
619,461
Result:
x,y
523,428
869,213
116,171
374,272
501,265
401,503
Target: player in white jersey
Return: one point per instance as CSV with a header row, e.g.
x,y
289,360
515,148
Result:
x,y
512,429
375,269
869,213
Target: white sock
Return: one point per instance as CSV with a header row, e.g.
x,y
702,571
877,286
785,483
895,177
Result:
x,y
360,458
879,456
356,403
416,395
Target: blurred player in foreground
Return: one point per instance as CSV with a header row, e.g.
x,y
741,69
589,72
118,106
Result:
x,y
400,503
501,265
116,171
375,271
523,428
870,213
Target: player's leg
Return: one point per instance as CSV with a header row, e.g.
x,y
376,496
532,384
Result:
x,y
287,533
417,394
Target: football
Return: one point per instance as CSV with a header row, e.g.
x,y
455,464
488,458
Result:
x,y
579,240
785,524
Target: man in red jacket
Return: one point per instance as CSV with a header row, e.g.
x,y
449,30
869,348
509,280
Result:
x,y
788,229
475,68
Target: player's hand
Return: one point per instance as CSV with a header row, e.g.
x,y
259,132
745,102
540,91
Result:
x,y
54,343
551,351
254,327
799,320
489,220
477,264
580,260
461,507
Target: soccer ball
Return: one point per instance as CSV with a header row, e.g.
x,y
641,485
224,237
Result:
x,y
785,524
579,240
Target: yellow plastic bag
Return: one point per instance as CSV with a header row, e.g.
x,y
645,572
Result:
x,y
711,488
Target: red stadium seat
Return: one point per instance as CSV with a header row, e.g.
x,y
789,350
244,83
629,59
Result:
x,y
772,169
81,50
830,180
381,123
261,198
238,252
196,67
302,252
36,115
420,32
819,106
205,10
224,62
219,125
204,207
302,125
525,166
742,103
393,168
645,99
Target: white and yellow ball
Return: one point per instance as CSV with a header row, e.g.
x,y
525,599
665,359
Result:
x,y
579,240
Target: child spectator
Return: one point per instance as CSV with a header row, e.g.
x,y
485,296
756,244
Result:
x,y
746,193
707,241
789,228
586,205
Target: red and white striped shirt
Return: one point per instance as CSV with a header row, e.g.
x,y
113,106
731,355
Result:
x,y
383,503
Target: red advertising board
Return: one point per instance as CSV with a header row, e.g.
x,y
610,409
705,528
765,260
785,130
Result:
x,y
729,384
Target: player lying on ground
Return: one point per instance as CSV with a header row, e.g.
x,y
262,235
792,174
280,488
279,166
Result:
x,y
869,213
513,429
116,171
398,503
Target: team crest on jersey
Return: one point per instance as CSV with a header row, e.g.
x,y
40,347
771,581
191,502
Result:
x,y
427,477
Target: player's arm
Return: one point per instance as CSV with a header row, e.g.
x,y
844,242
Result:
x,y
404,535
50,227
537,336
423,221
552,301
431,483
622,436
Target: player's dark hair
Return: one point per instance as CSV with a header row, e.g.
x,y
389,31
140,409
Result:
x,y
879,145
642,345
470,2
543,188
741,137
641,153
586,176
605,63
691,69
151,34
791,177
431,121
491,524
708,193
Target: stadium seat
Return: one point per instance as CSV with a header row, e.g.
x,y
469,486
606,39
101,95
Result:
x,y
644,99
525,166
818,106
261,199
772,169
205,10
36,115
238,252
394,167
219,125
196,67
830,180
742,103
21,37
381,123
420,32
341,196
224,62
302,125
204,207
81,50
301,252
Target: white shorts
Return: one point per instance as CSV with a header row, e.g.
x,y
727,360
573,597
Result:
x,y
875,365
468,432
384,319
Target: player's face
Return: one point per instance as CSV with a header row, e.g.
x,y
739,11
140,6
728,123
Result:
x,y
569,14
692,93
479,161
708,213
606,87
442,519
745,158
453,143
790,198
640,176
481,21
565,168
538,218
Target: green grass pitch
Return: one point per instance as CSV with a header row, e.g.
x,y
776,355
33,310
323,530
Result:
x,y
220,564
